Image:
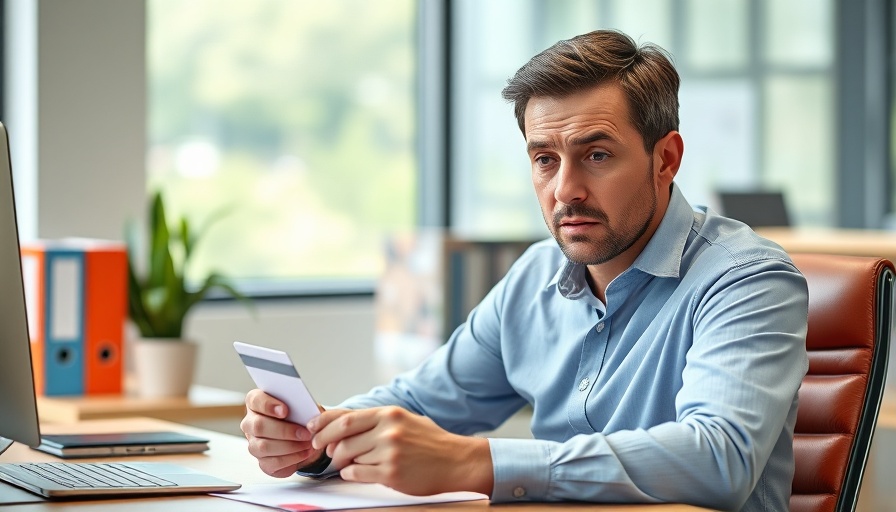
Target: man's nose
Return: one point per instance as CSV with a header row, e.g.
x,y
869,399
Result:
x,y
569,187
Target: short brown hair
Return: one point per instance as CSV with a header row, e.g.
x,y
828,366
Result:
x,y
646,75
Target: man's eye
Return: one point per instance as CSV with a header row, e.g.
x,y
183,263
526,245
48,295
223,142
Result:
x,y
598,156
543,160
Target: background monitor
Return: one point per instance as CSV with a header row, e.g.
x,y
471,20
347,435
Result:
x,y
755,208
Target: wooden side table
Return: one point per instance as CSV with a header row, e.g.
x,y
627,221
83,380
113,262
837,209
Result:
x,y
205,407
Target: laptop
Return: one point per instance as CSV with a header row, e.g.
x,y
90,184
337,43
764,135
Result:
x,y
18,406
70,446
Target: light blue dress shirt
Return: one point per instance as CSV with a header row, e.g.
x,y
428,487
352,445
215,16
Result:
x,y
681,388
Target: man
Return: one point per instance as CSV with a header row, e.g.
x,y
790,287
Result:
x,y
660,346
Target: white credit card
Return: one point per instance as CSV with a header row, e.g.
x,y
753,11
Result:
x,y
273,372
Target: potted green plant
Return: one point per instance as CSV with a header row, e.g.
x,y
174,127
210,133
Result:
x,y
160,298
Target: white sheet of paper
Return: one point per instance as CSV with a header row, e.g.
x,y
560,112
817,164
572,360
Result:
x,y
335,494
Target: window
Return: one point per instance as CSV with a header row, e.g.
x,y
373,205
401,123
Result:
x,y
757,99
294,119
308,124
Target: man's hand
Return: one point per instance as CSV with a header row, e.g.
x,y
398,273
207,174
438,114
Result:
x,y
404,451
281,447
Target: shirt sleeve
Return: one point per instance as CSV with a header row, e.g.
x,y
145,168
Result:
x,y
462,386
740,381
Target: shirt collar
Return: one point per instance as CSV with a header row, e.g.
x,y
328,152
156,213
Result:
x,y
660,257
662,254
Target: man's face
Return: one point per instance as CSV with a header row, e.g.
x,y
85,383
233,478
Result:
x,y
595,182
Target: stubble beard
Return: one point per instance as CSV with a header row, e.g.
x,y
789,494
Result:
x,y
615,242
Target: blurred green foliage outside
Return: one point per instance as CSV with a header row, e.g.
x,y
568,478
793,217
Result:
x,y
298,116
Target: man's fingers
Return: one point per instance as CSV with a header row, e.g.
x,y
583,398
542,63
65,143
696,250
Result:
x,y
260,447
380,474
351,450
285,465
360,473
370,457
283,473
333,426
263,403
325,418
256,425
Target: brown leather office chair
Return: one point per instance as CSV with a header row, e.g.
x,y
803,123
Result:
x,y
850,303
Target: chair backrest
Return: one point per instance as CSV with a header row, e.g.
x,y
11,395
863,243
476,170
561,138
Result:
x,y
850,303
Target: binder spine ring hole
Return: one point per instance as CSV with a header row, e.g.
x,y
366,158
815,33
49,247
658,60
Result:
x,y
107,354
65,356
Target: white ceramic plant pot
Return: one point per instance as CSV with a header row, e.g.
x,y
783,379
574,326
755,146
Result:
x,y
164,367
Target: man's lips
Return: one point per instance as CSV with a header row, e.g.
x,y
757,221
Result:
x,y
577,226
578,221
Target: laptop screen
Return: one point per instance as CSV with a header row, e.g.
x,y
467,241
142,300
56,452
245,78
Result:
x,y
18,406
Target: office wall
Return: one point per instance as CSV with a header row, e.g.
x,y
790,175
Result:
x,y
81,73
85,86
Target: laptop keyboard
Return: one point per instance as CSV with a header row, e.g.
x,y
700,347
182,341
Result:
x,y
86,475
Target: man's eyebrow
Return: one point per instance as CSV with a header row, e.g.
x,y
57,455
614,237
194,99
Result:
x,y
538,144
578,141
593,137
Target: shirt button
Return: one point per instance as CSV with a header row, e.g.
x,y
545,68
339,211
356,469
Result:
x,y
600,327
584,384
519,492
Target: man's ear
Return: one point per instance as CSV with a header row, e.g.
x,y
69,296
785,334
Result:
x,y
667,153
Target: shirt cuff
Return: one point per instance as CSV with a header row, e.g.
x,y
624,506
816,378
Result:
x,y
522,469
